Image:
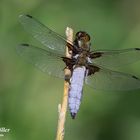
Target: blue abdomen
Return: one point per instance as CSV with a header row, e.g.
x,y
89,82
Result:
x,y
75,91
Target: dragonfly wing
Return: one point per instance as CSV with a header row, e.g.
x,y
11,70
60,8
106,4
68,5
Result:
x,y
46,61
110,59
46,36
105,79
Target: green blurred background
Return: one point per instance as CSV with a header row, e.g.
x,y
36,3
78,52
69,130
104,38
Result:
x,y
29,98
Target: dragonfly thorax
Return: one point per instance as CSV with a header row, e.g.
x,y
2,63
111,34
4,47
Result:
x,y
82,58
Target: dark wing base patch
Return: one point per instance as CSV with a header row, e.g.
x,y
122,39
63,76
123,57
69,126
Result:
x,y
95,55
69,62
92,69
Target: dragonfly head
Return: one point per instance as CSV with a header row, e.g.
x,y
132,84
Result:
x,y
82,40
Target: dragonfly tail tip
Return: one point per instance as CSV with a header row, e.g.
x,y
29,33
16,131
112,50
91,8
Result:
x,y
73,115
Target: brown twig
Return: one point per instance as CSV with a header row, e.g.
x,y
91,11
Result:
x,y
62,109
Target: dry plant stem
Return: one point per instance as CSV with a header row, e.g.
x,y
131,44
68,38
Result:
x,y
62,109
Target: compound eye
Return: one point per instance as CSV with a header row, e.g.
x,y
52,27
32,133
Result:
x,y
87,37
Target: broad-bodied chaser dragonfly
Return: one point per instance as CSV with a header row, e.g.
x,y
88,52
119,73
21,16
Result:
x,y
91,67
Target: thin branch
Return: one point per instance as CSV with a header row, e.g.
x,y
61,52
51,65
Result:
x,y
62,109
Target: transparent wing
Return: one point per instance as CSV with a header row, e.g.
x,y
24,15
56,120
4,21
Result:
x,y
105,79
110,59
47,62
46,36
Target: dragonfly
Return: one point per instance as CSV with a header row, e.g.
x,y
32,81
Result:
x,y
90,67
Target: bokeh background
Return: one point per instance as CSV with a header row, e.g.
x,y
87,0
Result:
x,y
29,98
